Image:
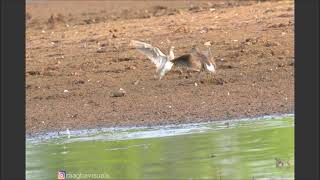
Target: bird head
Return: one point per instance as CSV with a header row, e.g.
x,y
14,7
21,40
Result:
x,y
194,49
171,54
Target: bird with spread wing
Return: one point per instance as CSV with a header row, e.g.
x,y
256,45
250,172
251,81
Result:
x,y
195,61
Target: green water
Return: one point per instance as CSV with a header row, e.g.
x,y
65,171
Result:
x,y
239,150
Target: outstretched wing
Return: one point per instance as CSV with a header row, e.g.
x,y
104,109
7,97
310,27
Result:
x,y
182,61
153,53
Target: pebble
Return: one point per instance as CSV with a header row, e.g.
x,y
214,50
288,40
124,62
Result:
x,y
207,43
120,93
136,82
212,156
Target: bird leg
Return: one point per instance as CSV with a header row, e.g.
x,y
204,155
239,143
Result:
x,y
155,77
160,77
199,76
210,77
189,74
181,72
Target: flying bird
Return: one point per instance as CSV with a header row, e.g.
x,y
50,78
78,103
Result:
x,y
163,62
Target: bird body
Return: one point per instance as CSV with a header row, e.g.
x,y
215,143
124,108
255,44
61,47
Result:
x,y
196,61
187,62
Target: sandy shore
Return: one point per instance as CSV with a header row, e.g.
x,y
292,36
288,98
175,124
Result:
x,y
79,56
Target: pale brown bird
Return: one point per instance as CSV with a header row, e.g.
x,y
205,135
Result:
x,y
196,61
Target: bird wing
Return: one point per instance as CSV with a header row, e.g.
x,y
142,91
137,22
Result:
x,y
153,53
183,60
187,61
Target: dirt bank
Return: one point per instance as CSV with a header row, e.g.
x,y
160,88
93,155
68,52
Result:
x,y
78,56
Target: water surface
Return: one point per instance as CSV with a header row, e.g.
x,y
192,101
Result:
x,y
238,149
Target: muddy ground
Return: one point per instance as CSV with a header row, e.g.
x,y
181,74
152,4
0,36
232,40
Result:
x,y
78,54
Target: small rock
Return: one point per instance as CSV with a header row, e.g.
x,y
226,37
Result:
x,y
207,43
218,81
227,124
136,82
203,31
101,50
78,82
279,163
32,73
65,91
119,93
212,156
130,68
195,84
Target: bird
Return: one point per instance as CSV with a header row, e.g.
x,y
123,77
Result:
x,y
163,62
194,61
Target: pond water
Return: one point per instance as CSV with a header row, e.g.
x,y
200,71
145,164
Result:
x,y
261,148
